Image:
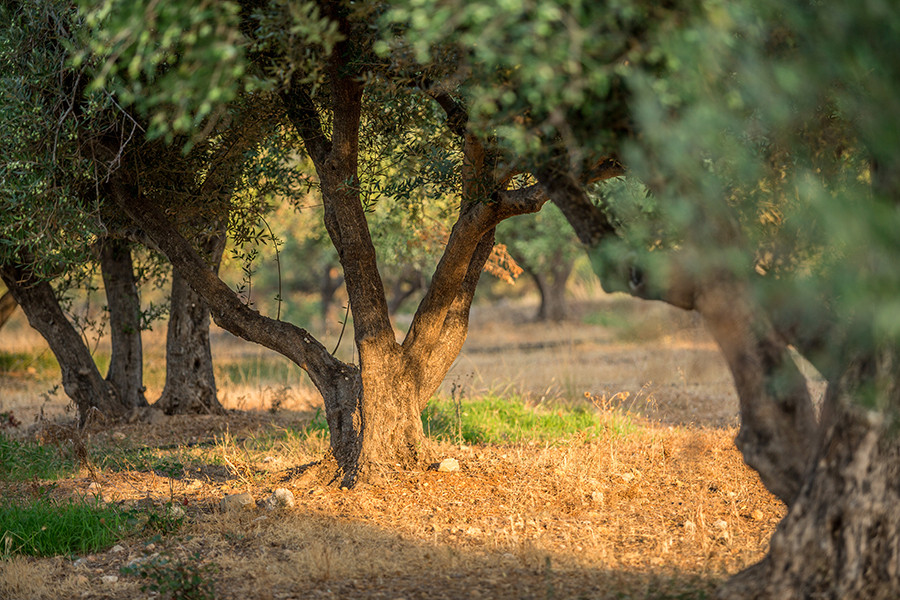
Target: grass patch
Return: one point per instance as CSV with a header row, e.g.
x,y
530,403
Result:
x,y
495,420
45,528
30,460
253,371
24,362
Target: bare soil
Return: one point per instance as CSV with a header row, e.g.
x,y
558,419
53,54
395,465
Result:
x,y
667,511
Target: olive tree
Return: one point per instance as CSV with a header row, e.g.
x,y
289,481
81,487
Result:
x,y
762,133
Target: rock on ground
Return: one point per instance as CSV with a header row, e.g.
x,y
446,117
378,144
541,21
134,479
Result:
x,y
236,502
280,498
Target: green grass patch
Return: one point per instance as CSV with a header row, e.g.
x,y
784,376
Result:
x,y
43,527
494,420
172,463
20,362
23,461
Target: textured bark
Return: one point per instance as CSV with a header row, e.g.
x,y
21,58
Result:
x,y
81,380
8,305
778,422
126,363
841,538
190,378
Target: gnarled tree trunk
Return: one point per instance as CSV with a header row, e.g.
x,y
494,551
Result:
x,y
190,379
841,538
81,380
126,363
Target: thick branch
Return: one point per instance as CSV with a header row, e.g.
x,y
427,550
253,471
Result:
x,y
424,332
80,377
289,340
303,114
456,322
590,223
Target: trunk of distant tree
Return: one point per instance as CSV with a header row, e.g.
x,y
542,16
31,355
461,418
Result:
x,y
126,362
409,282
190,378
84,385
551,283
8,305
330,283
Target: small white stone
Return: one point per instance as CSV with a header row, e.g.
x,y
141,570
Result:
x,y
174,511
109,578
448,465
117,548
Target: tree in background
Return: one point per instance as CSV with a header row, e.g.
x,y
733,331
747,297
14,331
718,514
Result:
x,y
542,246
763,136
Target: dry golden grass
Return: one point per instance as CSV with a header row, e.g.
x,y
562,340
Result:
x,y
666,511
663,510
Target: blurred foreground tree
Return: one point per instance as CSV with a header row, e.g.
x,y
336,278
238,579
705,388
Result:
x,y
761,144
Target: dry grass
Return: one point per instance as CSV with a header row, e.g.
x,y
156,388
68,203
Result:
x,y
667,511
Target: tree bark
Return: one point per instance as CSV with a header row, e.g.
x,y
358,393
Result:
x,y
8,305
81,380
190,379
841,538
126,363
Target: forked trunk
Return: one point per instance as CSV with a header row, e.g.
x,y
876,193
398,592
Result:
x,y
841,537
81,380
190,378
374,416
126,363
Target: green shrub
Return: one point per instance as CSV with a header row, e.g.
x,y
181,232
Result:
x,y
176,579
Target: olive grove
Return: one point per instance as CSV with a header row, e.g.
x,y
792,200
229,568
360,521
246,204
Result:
x,y
757,140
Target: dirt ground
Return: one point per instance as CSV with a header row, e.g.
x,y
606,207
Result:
x,y
666,511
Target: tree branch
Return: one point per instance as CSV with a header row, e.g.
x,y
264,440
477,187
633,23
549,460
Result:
x,y
228,311
303,114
